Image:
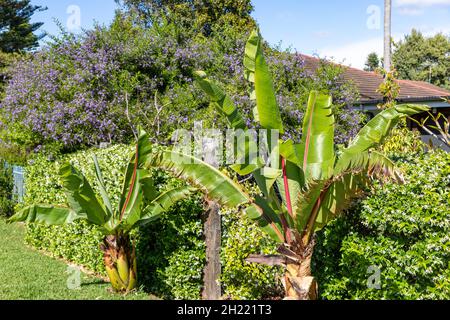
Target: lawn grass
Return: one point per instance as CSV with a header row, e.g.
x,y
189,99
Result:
x,y
29,275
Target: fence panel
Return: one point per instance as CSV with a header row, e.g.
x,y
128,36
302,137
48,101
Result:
x,y
19,183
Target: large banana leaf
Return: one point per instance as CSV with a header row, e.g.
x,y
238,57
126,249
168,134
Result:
x,y
215,184
221,101
350,185
101,186
257,72
163,203
292,182
47,214
267,219
317,147
338,198
81,197
337,194
131,197
306,203
377,130
334,196
244,142
372,163
135,201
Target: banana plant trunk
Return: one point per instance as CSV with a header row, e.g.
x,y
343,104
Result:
x,y
119,256
299,282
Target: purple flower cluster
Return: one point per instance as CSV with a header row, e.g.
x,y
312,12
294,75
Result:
x,y
62,95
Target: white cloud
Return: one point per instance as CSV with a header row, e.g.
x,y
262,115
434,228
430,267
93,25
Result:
x,y
417,7
322,34
420,3
354,54
429,31
410,11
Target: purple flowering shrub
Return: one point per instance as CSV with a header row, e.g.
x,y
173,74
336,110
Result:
x,y
62,96
81,91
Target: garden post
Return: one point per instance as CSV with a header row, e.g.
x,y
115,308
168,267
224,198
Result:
x,y
212,231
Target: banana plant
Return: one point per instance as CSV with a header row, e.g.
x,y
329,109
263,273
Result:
x,y
139,204
307,185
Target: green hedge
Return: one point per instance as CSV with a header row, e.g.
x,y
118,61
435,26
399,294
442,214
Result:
x,y
6,190
242,280
171,252
404,230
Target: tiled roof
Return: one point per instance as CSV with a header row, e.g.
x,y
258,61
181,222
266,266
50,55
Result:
x,y
368,83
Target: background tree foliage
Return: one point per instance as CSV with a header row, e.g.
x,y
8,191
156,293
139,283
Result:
x,y
421,58
6,60
16,28
194,16
373,62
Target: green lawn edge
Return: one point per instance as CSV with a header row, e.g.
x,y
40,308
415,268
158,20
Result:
x,y
30,275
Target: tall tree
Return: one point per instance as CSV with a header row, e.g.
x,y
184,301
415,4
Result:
x,y
372,62
16,29
197,15
6,60
423,59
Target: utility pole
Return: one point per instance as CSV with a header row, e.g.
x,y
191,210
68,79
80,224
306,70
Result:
x,y
387,34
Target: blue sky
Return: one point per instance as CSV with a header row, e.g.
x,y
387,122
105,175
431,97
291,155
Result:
x,y
346,30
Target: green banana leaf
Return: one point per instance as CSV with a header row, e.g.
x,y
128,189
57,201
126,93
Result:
x,y
267,220
81,197
101,186
294,175
221,101
163,203
257,72
132,197
349,184
317,148
376,131
225,106
47,214
371,162
135,201
215,184
336,195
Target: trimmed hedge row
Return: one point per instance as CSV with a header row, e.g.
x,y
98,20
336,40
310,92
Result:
x,y
401,229
6,189
171,251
